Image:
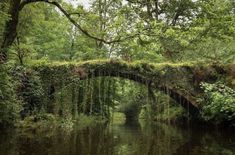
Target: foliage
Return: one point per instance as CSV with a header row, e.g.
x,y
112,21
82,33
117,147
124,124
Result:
x,y
41,122
169,30
137,39
172,114
9,105
219,103
84,121
29,90
3,17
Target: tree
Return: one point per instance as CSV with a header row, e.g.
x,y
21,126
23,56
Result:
x,y
16,6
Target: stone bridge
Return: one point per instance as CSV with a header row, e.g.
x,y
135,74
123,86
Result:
x,y
180,81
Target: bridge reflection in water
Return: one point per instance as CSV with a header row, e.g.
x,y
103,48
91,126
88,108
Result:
x,y
119,139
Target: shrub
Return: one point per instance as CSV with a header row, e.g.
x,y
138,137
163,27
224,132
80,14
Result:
x,y
29,90
219,103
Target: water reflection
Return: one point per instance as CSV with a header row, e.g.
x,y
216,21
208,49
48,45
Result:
x,y
117,139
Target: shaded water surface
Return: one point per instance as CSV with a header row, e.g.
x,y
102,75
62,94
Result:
x,y
117,139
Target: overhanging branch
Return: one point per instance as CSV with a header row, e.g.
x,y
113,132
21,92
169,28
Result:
x,y
68,16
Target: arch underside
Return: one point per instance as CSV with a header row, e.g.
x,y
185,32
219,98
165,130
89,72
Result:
x,y
183,100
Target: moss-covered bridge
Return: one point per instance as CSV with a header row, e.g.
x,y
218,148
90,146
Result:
x,y
180,81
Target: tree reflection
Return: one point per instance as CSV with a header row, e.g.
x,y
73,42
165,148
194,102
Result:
x,y
131,139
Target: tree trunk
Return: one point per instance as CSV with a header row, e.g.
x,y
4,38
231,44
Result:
x,y
149,7
10,29
156,9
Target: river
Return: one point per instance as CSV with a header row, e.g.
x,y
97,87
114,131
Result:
x,y
121,139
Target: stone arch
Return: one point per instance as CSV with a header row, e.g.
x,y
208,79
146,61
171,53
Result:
x,y
184,100
173,80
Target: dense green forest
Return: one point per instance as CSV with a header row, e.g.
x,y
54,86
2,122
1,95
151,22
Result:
x,y
40,40
117,77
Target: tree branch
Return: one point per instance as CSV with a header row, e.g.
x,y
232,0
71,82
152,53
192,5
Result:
x,y
137,2
68,16
75,13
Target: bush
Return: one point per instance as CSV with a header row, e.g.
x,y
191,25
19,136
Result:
x,y
219,103
9,106
29,90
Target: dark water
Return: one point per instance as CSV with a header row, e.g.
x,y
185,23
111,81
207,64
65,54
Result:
x,y
160,139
